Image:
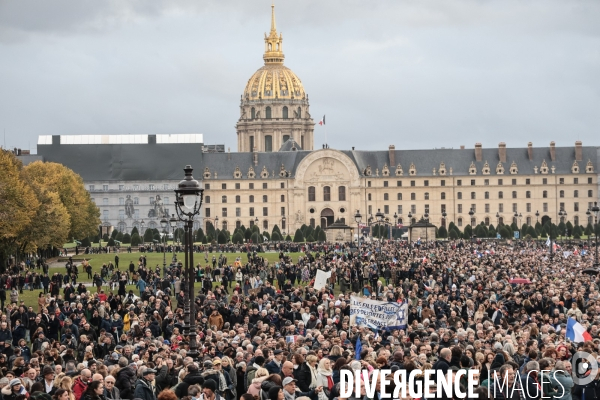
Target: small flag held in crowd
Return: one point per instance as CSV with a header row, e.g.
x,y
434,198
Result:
x,y
357,349
576,332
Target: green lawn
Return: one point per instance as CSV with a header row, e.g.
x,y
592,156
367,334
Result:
x,y
152,260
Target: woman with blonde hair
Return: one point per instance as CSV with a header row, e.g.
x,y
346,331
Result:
x,y
260,375
65,382
307,377
324,375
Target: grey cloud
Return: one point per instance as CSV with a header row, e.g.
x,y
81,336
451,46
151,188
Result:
x,y
412,73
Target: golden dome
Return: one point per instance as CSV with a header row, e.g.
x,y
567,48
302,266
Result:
x,y
274,80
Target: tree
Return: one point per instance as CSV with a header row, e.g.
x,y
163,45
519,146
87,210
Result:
x,y
221,239
266,234
148,236
275,229
237,238
135,230
453,234
576,232
248,234
298,236
156,236
492,232
468,232
288,238
111,242
442,232
310,239
275,236
538,227
256,237
199,235
85,242
126,238
114,233
531,232
322,236
18,202
84,214
119,236
136,240
505,232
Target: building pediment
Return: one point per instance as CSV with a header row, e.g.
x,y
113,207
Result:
x,y
327,166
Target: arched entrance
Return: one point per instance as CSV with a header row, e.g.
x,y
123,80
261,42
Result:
x,y
326,217
545,219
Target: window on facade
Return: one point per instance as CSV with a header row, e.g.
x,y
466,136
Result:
x,y
398,183
459,208
500,181
224,212
265,211
207,212
412,183
283,198
459,195
386,209
575,181
459,182
486,182
368,196
251,186
252,113
473,195
238,199
207,186
326,193
105,187
486,195
487,208
561,194
282,185
251,138
285,138
385,183
282,211
342,193
514,194
528,194
590,193
285,112
105,201
528,208
136,200
386,197
527,181
576,206
413,209
264,185
251,199
576,193
545,194
545,207
426,195
121,201
223,186
399,196
500,195
268,143
312,222
266,225
268,113
223,199
265,198
399,209
514,181
368,183
500,208
413,196
460,222
224,225
91,188
238,212
426,183
590,181
443,195
251,210
472,182
514,206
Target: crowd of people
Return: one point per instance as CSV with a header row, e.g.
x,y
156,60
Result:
x,y
265,333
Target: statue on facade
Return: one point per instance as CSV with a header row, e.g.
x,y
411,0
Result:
x,y
129,207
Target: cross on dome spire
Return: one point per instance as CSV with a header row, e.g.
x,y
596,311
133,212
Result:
x,y
273,43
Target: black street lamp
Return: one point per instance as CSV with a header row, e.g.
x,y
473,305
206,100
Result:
x,y
596,211
497,220
188,200
357,219
537,217
173,224
143,231
426,219
379,216
164,224
563,217
283,226
471,213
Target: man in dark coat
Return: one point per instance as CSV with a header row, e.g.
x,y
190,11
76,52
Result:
x,y
193,377
125,379
143,387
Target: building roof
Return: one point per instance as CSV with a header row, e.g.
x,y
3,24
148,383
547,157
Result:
x,y
290,145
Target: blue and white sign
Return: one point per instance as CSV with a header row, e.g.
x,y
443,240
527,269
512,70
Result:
x,y
516,234
378,314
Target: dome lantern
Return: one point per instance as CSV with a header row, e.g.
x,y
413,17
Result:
x,y
273,43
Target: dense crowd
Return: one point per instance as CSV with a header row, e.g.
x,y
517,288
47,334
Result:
x,y
265,333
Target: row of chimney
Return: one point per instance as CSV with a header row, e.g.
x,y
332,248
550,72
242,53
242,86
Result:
x,y
502,151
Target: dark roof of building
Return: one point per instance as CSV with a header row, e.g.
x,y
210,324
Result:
x,y
290,145
165,161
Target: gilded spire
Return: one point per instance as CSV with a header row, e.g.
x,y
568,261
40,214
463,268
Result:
x,y
273,24
273,43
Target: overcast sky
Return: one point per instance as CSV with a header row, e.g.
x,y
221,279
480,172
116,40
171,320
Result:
x,y
417,74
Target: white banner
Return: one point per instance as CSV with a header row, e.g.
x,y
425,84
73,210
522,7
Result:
x,y
378,314
321,279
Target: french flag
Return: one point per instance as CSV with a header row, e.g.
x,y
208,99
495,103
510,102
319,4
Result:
x,y
576,332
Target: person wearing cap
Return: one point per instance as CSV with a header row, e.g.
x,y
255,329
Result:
x,y
13,390
274,366
48,375
291,392
144,389
209,391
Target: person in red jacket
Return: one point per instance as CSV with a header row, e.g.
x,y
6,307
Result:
x,y
80,383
